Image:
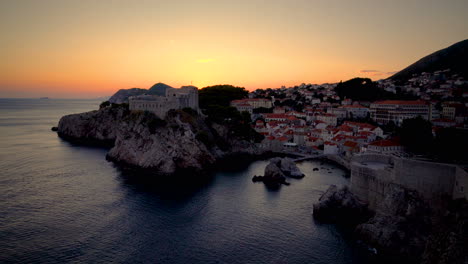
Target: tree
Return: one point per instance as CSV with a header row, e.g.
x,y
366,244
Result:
x,y
361,89
220,95
104,104
416,135
262,110
451,144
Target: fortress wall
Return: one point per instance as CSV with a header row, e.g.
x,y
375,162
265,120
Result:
x,y
432,180
460,189
186,96
374,157
370,185
339,160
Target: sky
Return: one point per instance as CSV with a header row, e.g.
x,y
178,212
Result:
x,y
86,49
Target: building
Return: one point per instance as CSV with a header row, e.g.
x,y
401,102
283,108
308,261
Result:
x,y
355,111
275,117
254,102
395,111
186,96
444,122
385,146
330,148
330,119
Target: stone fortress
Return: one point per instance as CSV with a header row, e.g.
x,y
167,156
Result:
x,y
374,175
167,99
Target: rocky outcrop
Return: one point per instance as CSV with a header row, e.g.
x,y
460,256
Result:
x,y
277,171
448,241
289,168
401,225
340,206
182,141
398,229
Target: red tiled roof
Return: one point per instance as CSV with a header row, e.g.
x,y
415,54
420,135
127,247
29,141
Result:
x,y
352,106
400,102
345,128
276,116
385,143
350,144
445,120
327,114
360,125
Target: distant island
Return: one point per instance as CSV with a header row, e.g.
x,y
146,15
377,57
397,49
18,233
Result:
x,y
44,98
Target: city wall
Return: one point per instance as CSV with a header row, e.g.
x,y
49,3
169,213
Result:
x,y
374,175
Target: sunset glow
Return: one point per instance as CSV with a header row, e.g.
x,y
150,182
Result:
x,y
93,48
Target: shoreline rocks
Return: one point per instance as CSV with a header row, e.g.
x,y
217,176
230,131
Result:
x,y
402,228
277,171
340,206
182,141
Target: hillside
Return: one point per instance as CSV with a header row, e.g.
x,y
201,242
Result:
x,y
122,95
454,58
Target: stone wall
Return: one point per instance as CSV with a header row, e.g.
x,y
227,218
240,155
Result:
x,y
372,176
460,189
186,96
432,180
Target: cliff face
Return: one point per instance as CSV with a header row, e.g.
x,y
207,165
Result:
x,y
182,141
402,228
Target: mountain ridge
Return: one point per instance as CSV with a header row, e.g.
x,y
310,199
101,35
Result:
x,y
454,57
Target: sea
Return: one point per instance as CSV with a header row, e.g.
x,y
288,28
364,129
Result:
x,y
64,203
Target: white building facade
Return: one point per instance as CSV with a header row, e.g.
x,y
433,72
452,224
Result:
x,y
186,96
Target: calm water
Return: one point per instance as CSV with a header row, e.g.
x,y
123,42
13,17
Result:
x,y
65,203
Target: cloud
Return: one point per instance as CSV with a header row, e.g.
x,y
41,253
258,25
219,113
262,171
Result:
x,y
205,60
368,71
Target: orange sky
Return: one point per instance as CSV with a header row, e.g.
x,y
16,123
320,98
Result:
x,y
93,48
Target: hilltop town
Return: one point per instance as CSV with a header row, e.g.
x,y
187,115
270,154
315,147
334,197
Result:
x,y
312,118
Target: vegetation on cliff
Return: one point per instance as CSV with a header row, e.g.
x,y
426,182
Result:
x,y
448,144
215,103
360,89
364,89
220,95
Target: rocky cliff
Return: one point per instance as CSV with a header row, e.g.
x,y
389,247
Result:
x,y
402,228
182,141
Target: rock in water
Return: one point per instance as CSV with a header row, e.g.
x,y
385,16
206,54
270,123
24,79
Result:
x,y
274,177
277,171
340,206
398,229
289,168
